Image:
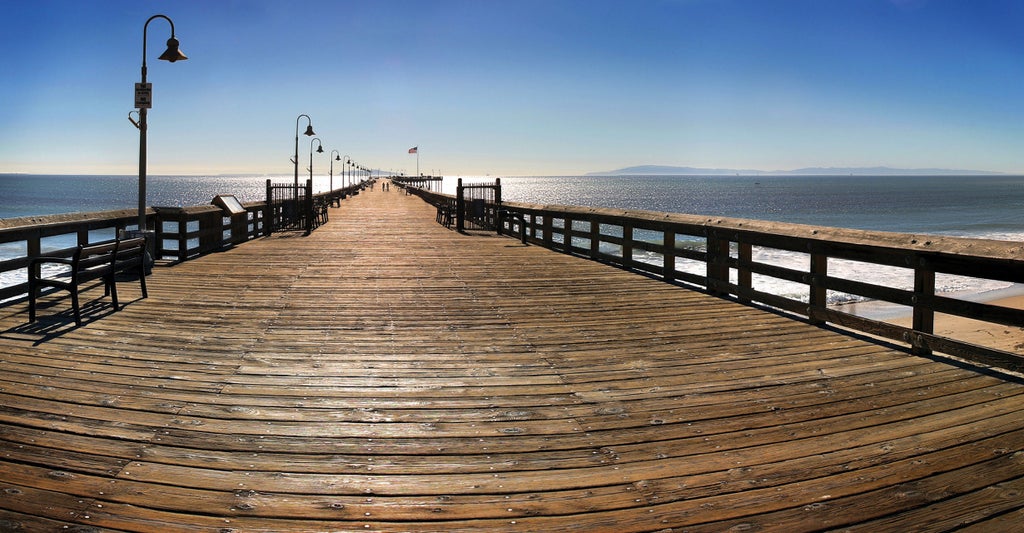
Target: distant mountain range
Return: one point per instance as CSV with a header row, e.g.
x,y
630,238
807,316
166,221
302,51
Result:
x,y
660,170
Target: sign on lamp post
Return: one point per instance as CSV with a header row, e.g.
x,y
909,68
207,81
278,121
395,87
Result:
x,y
143,96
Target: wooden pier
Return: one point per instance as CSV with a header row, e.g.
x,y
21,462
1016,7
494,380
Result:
x,y
388,374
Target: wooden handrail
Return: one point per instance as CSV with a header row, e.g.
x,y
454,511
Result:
x,y
727,255
728,248
181,232
191,230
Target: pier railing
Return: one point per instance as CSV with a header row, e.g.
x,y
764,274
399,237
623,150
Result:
x,y
717,254
180,233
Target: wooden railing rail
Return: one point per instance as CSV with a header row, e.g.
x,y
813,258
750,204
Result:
x,y
26,237
723,250
185,232
181,233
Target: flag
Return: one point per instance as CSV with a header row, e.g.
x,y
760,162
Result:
x,y
414,149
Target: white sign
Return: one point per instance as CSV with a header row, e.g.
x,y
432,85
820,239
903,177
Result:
x,y
143,95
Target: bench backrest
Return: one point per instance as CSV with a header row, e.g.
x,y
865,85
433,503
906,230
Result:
x,y
130,253
93,261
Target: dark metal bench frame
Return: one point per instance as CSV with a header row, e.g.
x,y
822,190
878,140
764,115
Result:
x,y
90,262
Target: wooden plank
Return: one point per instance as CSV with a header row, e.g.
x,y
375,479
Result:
x,y
386,373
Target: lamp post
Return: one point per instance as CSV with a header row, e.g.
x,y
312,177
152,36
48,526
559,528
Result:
x,y
344,162
319,150
309,133
337,157
144,101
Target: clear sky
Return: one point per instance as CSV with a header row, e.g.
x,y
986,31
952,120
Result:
x,y
516,87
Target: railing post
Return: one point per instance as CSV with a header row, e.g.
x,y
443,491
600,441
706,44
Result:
x,y
668,255
717,263
211,231
34,248
460,207
158,236
567,234
308,206
239,227
924,314
818,297
182,235
268,211
595,238
744,277
547,231
627,245
497,204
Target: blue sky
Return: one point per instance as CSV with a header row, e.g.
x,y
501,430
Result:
x,y
516,87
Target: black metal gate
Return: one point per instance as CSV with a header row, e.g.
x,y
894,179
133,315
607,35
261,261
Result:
x,y
289,207
477,205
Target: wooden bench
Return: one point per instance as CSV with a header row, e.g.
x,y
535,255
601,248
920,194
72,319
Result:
x,y
445,214
90,262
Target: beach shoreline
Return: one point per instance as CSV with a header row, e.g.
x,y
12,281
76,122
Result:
x,y
990,335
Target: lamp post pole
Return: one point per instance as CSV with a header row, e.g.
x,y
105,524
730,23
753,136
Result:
x,y
143,101
319,150
344,163
309,133
337,157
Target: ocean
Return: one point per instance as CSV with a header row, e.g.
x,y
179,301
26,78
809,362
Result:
x,y
986,207
30,195
989,207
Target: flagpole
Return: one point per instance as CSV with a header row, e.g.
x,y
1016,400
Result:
x,y
416,150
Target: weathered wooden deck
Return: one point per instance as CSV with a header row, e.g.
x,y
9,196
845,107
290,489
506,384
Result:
x,y
385,373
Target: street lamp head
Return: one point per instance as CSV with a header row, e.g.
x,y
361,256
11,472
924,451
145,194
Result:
x,y
337,158
172,53
309,131
320,149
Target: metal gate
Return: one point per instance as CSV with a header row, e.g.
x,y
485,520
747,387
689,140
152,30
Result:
x,y
477,205
289,206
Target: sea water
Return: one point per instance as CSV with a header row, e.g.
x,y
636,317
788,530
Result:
x,y
984,207
988,207
31,195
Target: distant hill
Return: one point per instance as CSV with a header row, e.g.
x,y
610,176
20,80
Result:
x,y
662,170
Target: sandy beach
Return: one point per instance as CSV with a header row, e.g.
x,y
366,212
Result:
x,y
1006,338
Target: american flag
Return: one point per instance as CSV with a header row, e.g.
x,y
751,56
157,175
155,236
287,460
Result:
x,y
414,149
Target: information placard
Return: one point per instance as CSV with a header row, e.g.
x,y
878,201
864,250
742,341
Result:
x,y
228,203
143,95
